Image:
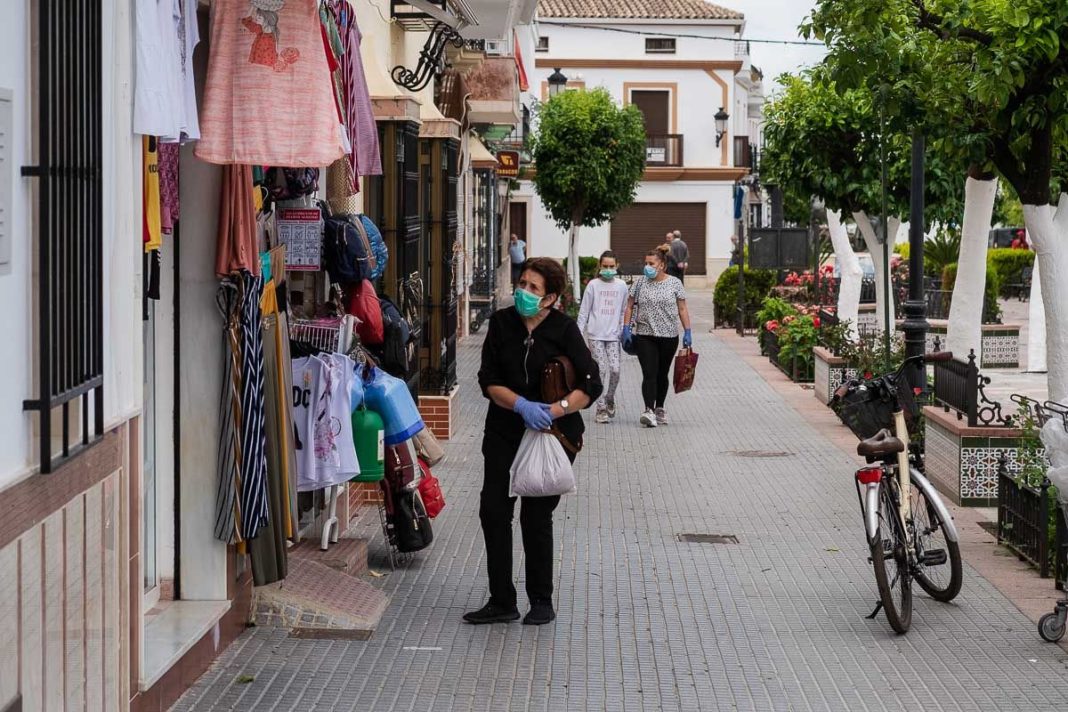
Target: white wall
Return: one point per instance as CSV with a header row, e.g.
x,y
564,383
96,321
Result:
x,y
15,348
583,43
121,161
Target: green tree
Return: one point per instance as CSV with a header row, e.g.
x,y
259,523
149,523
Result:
x,y
589,155
1000,69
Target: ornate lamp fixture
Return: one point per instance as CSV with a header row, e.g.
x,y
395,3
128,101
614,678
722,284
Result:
x,y
431,59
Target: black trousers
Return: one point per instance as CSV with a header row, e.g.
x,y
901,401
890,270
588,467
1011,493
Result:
x,y
655,354
517,272
535,522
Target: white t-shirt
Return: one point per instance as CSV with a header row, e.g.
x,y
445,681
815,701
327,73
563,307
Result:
x,y
326,454
603,305
339,394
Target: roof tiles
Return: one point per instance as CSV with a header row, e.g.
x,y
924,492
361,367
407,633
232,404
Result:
x,y
636,10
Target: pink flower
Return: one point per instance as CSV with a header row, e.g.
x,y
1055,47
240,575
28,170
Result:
x,y
816,321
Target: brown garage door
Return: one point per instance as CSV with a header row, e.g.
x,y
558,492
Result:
x,y
642,226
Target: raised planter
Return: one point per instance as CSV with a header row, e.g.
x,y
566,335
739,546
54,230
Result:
x,y
795,370
963,462
830,372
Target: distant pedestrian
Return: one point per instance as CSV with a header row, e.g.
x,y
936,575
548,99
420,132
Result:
x,y
520,340
672,266
517,253
661,303
680,253
601,320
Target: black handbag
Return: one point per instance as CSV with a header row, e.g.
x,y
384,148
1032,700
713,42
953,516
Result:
x,y
411,525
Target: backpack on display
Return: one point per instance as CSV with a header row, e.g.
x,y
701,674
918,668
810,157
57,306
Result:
x,y
378,247
346,254
411,525
291,183
362,303
393,355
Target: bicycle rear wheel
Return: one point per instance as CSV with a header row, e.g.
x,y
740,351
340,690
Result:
x,y
889,557
938,564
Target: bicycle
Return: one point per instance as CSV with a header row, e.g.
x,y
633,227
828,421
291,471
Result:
x,y
910,532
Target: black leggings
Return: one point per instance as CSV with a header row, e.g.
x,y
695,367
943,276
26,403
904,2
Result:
x,y
655,354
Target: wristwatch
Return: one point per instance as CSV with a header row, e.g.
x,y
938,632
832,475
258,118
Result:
x,y
564,404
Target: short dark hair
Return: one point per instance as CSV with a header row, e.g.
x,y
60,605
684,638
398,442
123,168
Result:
x,y
609,254
551,271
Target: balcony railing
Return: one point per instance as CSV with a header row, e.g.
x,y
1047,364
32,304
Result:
x,y
665,150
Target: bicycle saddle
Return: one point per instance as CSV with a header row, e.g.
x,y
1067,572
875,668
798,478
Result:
x,y
883,444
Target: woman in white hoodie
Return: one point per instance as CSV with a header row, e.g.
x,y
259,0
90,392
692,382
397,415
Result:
x,y
601,321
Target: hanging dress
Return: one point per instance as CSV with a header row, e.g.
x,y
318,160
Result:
x,y
268,99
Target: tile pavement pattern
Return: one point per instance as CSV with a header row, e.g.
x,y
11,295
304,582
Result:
x,y
775,622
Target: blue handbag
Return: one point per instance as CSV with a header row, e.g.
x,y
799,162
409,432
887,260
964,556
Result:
x,y
628,348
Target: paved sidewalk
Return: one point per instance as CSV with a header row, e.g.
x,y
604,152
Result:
x,y
774,622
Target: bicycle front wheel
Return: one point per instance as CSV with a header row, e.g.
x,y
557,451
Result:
x,y
889,557
938,564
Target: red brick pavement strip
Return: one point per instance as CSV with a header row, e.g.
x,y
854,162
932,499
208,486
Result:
x,y
1016,580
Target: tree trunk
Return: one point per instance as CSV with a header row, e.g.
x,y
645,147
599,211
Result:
x,y
875,249
1049,232
573,262
1036,326
851,275
966,309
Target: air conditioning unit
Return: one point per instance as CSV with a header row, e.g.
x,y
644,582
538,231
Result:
x,y
495,48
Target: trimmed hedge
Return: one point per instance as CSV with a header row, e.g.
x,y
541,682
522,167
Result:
x,y
1009,264
991,309
587,268
758,284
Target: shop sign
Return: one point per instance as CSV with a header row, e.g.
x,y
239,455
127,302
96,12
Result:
x,y
508,164
301,231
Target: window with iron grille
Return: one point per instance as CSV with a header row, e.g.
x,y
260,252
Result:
x,y
543,45
70,351
660,45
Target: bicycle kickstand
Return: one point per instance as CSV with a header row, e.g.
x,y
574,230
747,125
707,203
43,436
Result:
x,y
878,607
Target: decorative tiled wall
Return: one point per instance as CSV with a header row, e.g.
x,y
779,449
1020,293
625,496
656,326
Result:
x,y
1000,344
829,377
964,464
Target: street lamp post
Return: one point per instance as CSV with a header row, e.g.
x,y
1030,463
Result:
x,y
557,82
721,118
915,308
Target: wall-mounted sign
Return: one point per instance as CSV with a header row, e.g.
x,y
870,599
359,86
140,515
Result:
x,y
508,164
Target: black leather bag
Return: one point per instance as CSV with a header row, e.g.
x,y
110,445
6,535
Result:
x,y
411,525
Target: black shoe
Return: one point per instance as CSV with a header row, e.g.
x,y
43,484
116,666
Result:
x,y
492,613
540,613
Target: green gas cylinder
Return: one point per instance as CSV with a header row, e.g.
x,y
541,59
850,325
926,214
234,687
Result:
x,y
368,433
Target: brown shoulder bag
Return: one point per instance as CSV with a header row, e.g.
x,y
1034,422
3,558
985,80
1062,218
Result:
x,y
557,383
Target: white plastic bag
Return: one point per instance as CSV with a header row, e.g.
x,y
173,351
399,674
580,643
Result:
x,y
1055,440
541,467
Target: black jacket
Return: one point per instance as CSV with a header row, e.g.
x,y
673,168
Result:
x,y
512,360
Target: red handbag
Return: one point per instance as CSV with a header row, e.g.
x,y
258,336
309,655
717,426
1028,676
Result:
x,y
685,370
362,302
430,491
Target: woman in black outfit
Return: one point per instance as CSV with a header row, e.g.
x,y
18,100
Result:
x,y
519,342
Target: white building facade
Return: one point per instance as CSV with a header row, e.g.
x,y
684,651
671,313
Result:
x,y
680,63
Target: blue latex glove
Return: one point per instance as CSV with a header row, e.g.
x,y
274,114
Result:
x,y
627,336
687,339
536,416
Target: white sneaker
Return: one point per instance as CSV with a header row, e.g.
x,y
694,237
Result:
x,y
661,416
648,419
602,417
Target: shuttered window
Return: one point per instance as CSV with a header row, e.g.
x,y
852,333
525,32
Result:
x,y
642,226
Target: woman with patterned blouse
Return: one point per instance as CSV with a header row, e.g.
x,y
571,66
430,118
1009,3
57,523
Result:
x,y
661,303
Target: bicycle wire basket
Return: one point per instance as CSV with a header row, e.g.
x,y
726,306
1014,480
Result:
x,y
866,407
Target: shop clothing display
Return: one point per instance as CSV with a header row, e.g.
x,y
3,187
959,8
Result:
x,y
268,97
365,156
158,93
322,412
226,529
188,39
150,198
253,463
236,245
658,306
168,186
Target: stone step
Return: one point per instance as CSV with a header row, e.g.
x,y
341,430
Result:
x,y
316,600
348,555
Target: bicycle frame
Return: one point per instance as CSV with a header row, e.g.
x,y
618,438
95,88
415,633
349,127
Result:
x,y
870,505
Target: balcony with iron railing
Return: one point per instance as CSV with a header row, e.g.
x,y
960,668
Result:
x,y
663,150
745,154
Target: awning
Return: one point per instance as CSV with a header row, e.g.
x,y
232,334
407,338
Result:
x,y
480,155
